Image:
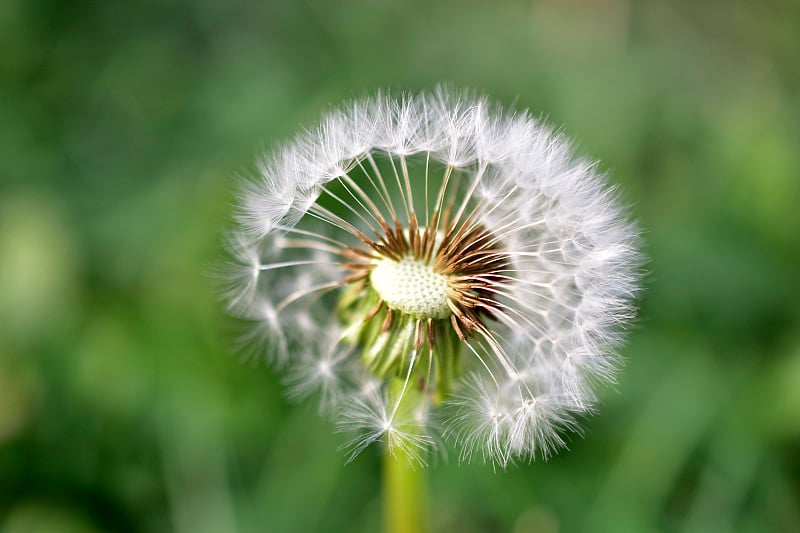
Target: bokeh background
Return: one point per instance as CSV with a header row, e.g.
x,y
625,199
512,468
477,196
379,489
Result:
x,y
122,124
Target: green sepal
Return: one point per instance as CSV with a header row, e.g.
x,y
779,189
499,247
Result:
x,y
387,354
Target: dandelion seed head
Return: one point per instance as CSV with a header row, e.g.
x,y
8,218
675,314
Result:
x,y
434,267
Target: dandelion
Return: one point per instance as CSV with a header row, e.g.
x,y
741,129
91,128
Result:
x,y
433,268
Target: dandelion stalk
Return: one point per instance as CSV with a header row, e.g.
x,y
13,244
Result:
x,y
405,501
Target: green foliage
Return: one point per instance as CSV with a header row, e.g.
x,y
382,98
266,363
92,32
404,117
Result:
x,y
121,126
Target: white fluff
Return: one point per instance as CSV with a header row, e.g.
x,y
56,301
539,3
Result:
x,y
571,279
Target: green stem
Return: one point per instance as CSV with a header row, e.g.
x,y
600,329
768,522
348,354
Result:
x,y
405,503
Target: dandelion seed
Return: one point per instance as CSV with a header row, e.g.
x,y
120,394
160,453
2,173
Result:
x,y
432,261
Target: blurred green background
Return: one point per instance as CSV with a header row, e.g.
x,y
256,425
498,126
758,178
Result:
x,y
122,125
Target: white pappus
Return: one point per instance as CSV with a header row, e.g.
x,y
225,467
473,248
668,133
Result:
x,y
435,268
